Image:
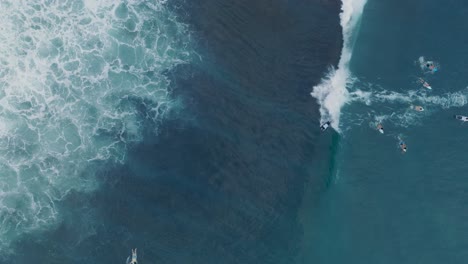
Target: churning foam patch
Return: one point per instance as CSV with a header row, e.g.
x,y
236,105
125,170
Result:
x,y
78,80
332,93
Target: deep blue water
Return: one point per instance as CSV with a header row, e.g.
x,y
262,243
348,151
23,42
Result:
x,y
235,169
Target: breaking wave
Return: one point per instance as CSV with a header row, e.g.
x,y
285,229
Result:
x,y
331,93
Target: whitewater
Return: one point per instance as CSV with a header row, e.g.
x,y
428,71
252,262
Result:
x,y
332,92
79,81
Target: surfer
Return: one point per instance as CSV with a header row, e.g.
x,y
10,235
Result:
x,y
418,108
380,128
433,67
428,65
402,145
424,83
325,125
461,118
134,257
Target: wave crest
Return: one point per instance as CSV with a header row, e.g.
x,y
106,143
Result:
x,y
331,93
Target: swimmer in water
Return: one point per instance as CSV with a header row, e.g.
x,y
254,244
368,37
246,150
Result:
x,y
380,128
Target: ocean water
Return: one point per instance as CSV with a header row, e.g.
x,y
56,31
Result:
x,y
382,206
182,128
81,82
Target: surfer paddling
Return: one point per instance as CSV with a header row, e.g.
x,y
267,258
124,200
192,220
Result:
x,y
418,108
425,84
380,128
402,145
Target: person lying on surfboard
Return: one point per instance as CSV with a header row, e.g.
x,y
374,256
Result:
x,y
419,108
428,66
402,145
380,128
424,83
431,66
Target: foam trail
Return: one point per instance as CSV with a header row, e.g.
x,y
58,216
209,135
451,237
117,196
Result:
x,y
445,101
331,93
400,112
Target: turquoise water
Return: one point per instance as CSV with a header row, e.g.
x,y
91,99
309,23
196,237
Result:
x,y
385,206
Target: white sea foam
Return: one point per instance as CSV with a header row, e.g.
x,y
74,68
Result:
x,y
445,101
399,106
77,81
332,93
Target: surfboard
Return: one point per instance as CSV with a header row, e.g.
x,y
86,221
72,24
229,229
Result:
x,y
461,118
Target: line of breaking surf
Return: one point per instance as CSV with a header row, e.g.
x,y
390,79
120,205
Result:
x,y
332,93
